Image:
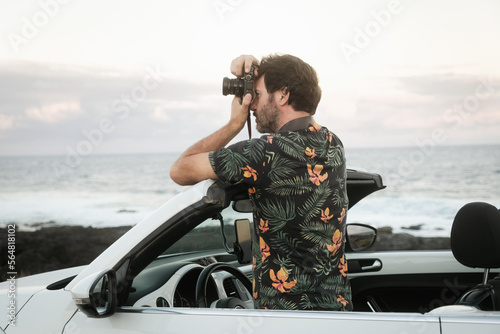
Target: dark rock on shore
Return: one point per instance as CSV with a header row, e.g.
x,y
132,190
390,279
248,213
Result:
x,y
388,241
56,247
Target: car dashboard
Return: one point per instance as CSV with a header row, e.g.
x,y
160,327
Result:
x,y
171,281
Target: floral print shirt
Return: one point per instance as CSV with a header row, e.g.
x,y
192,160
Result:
x,y
297,184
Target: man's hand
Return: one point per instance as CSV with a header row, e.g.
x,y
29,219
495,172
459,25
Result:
x,y
240,107
243,61
239,111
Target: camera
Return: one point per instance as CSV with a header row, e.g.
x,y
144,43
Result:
x,y
239,86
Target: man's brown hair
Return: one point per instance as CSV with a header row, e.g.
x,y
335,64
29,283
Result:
x,y
296,77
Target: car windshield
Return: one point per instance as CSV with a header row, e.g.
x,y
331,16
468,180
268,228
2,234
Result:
x,y
210,234
371,211
397,231
394,232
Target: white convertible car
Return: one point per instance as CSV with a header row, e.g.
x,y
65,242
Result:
x,y
185,269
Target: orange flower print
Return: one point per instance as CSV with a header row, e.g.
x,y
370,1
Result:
x,y
250,172
264,249
337,242
329,137
310,152
270,139
343,266
315,174
315,127
251,191
280,280
342,300
342,215
255,295
325,215
263,226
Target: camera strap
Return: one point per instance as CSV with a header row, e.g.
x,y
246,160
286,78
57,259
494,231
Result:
x,y
249,126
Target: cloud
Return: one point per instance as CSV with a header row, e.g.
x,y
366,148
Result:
x,y
54,112
400,110
6,122
161,115
55,105
46,108
163,112
453,100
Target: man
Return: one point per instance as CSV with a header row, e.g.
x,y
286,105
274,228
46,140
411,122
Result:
x,y
296,181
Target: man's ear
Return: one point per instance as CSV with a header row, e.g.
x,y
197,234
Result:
x,y
283,96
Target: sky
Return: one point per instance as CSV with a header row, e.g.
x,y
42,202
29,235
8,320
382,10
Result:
x,y
98,77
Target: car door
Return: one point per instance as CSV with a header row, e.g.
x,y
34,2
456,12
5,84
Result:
x,y
470,324
207,321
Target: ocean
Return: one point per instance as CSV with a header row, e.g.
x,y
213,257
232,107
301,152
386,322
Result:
x,y
426,186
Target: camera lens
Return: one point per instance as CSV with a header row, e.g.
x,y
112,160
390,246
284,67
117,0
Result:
x,y
232,86
226,86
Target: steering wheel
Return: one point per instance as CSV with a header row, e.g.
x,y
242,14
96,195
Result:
x,y
201,285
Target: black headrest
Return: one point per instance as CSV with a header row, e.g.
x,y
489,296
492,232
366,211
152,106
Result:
x,y
475,236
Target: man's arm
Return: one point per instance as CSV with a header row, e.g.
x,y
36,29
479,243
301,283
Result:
x,y
193,165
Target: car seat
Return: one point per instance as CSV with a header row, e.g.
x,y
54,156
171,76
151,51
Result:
x,y
475,243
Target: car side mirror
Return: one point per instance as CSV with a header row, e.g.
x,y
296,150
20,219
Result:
x,y
243,243
243,205
360,237
96,295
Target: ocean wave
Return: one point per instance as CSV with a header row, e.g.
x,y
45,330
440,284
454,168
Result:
x,y
119,190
